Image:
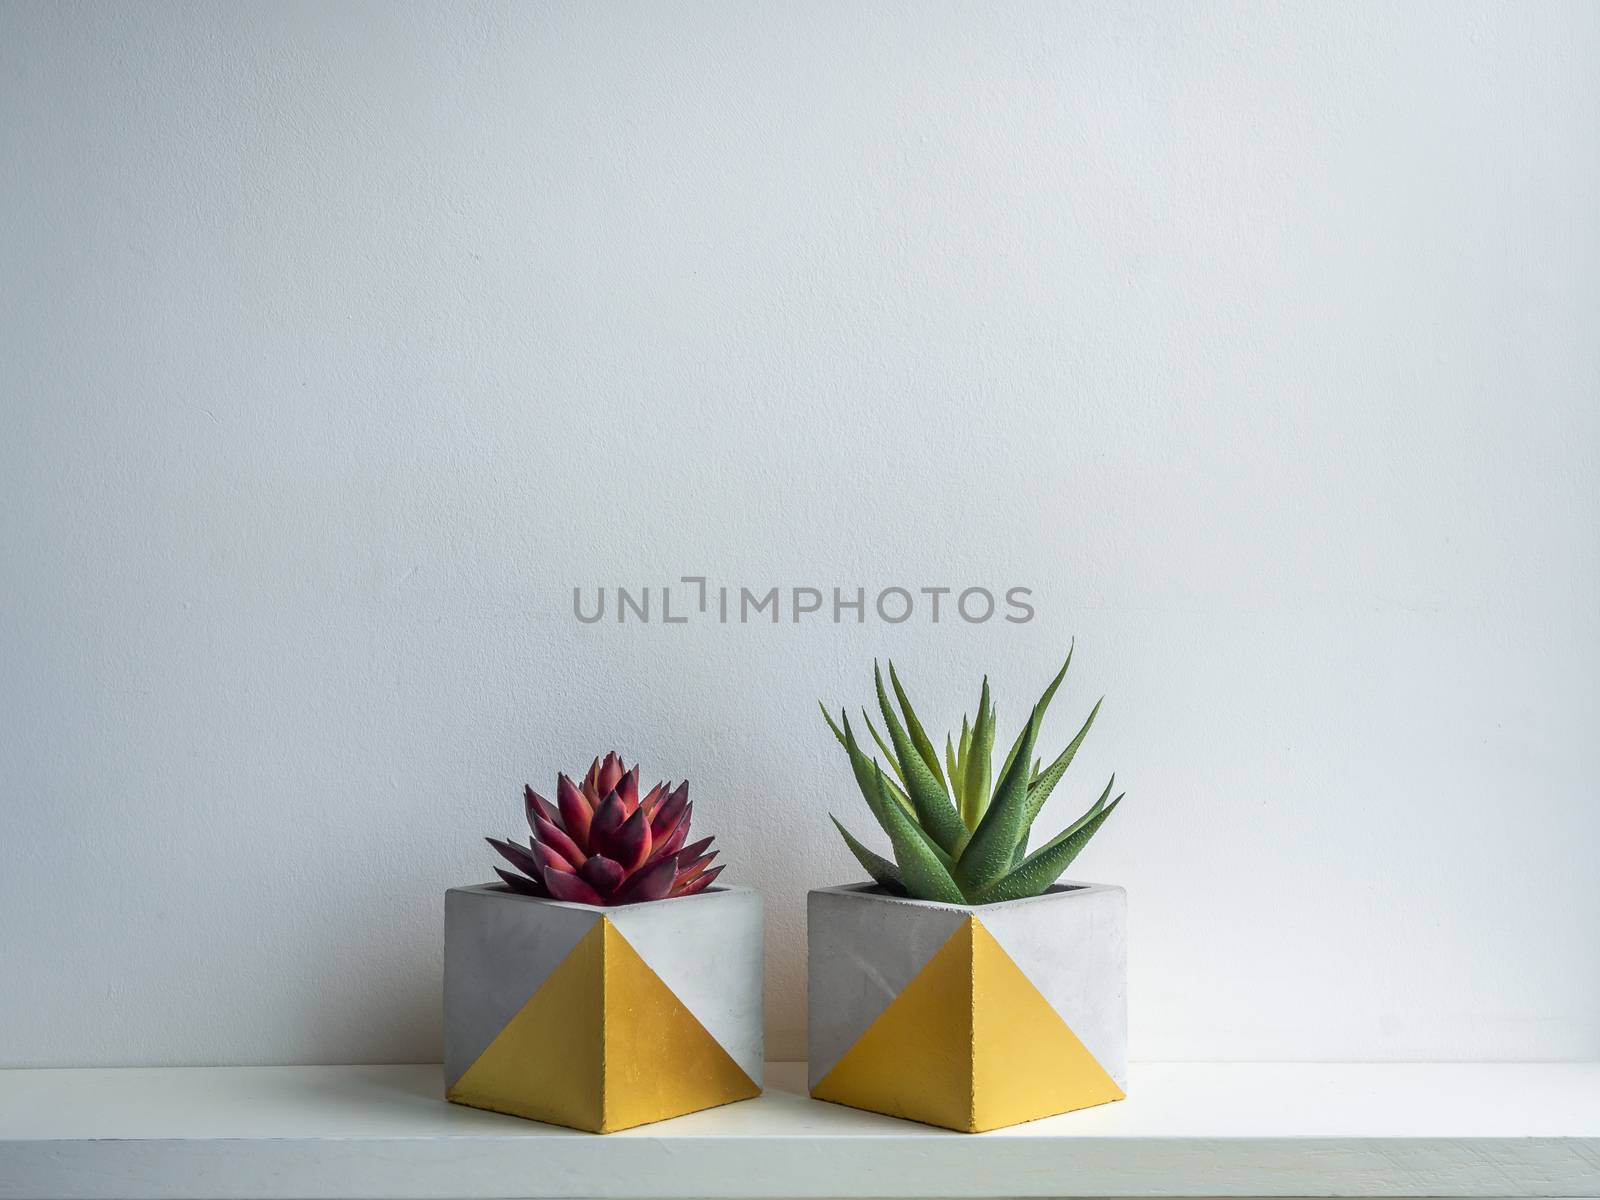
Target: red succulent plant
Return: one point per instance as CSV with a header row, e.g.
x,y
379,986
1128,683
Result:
x,y
601,842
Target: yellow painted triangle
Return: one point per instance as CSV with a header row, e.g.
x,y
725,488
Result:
x,y
915,1060
1027,1062
969,1044
660,1061
546,1063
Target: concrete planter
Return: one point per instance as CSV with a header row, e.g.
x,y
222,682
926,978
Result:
x,y
601,1018
968,1017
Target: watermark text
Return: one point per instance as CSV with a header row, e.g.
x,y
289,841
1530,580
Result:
x,y
696,598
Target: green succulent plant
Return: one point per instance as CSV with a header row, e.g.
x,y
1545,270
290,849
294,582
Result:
x,y
957,834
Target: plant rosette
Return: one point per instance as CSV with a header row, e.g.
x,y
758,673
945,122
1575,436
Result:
x,y
967,986
607,983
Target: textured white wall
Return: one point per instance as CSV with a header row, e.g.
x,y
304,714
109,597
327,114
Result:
x,y
338,343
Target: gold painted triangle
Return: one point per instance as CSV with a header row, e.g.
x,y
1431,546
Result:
x,y
660,1061
546,1063
915,1060
1027,1062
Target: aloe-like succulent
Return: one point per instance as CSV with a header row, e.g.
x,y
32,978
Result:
x,y
601,842
957,835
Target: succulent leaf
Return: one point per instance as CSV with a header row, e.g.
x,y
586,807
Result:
x,y
652,883
695,886
558,841
632,844
929,797
919,736
608,819
895,789
602,874
550,861
888,754
628,790
953,775
691,852
522,860
959,780
535,805
610,774
899,794
1005,825
884,873
674,840
652,799
828,717
989,853
576,811
1089,814
979,753
688,875
521,884
1044,703
669,812
891,814
567,886
921,870
1044,782
1047,864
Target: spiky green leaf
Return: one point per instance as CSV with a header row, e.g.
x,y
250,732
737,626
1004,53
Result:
x,y
900,796
953,775
919,736
1039,790
936,814
992,849
895,818
1092,811
828,717
1046,864
888,754
884,873
1044,703
895,791
963,756
922,871
980,754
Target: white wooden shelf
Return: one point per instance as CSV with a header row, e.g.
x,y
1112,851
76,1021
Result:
x,y
1511,1129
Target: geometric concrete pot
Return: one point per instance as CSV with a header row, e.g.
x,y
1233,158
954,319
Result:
x,y
601,1018
969,1017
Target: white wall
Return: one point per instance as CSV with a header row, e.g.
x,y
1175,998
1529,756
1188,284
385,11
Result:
x,y
339,343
